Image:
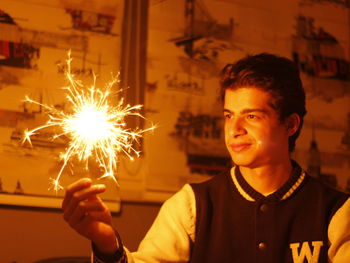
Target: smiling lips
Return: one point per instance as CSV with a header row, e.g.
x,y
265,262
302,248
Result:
x,y
239,147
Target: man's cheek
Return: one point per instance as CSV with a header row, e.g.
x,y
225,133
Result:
x,y
262,143
267,144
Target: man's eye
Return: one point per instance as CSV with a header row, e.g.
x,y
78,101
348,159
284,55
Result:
x,y
228,116
251,116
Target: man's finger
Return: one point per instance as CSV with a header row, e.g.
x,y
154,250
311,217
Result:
x,y
81,195
74,187
76,216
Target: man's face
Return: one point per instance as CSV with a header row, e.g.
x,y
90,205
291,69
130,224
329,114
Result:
x,y
254,135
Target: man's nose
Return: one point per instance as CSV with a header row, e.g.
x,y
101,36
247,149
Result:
x,y
237,127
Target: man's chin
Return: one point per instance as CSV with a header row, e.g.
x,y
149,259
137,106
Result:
x,y
241,162
244,160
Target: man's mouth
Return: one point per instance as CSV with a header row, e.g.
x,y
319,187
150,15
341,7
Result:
x,y
239,147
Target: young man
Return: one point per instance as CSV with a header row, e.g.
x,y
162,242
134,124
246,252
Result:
x,y
265,209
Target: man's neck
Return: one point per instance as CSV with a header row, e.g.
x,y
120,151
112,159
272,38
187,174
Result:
x,y
267,179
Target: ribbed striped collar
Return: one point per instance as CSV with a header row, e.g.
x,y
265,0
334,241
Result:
x,y
296,178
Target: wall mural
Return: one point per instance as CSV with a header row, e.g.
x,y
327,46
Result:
x,y
324,63
202,42
320,56
33,57
189,41
90,21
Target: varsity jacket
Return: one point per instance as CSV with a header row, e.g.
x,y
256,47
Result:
x,y
226,220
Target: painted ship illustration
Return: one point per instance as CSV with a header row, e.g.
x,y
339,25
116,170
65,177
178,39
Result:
x,y
20,121
42,139
45,138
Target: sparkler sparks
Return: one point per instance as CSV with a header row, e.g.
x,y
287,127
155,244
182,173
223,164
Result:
x,y
95,128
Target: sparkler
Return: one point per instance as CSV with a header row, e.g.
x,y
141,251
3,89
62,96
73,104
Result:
x,y
95,128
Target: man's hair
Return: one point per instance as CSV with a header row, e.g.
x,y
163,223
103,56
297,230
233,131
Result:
x,y
277,75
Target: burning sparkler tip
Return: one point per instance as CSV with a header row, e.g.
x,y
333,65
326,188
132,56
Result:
x,y
94,127
54,184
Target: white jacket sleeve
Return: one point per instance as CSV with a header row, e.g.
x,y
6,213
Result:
x,y
339,235
169,238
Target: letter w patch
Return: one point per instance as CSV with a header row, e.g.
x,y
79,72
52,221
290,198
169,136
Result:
x,y
305,252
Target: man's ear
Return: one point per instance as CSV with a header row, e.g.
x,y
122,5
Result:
x,y
292,123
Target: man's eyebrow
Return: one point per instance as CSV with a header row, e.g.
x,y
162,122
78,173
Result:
x,y
253,110
245,111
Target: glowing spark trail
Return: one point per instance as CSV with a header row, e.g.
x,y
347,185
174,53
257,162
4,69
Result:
x,y
95,129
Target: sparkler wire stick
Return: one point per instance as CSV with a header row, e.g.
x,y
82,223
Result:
x,y
94,128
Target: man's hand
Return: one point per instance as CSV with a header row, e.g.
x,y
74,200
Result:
x,y
86,213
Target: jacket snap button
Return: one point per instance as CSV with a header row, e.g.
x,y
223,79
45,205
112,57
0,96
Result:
x,y
264,207
262,245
